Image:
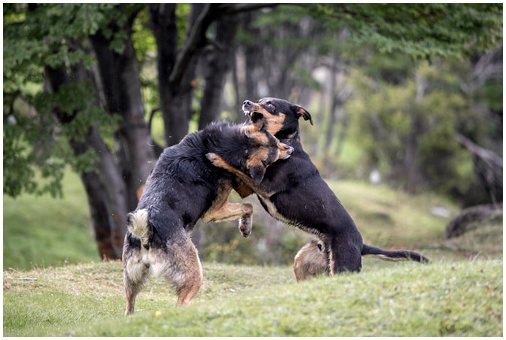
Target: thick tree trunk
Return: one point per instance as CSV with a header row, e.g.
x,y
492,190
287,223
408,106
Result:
x,y
175,75
175,121
217,66
120,82
106,241
115,188
104,189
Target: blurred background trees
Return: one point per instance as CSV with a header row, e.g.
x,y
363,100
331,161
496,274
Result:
x,y
408,95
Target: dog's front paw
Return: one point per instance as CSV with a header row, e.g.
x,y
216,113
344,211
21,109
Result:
x,y
245,226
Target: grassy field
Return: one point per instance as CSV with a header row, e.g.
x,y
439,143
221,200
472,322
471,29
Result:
x,y
53,286
42,231
404,299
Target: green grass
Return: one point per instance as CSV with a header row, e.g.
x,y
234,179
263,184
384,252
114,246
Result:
x,y
462,298
459,293
42,231
393,218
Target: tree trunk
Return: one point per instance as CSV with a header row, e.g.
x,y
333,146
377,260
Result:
x,y
102,203
107,241
331,124
121,84
176,71
487,166
217,66
409,165
163,19
253,59
238,96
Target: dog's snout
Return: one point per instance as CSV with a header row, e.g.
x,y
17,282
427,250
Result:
x,y
248,107
247,103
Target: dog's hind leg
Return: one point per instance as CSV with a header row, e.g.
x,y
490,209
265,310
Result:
x,y
184,269
134,275
344,254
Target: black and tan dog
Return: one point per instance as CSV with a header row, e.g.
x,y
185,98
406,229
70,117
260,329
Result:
x,y
294,192
183,187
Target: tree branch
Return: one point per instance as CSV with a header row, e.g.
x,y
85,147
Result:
x,y
195,39
197,36
487,156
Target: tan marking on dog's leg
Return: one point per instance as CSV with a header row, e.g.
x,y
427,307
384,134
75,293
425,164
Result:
x,y
192,280
220,163
219,202
221,210
228,212
243,190
232,211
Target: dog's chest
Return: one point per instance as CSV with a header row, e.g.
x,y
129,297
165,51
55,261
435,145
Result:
x,y
273,211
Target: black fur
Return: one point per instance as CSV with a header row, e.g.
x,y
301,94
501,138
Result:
x,y
184,184
302,198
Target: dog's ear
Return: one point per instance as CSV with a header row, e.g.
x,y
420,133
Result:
x,y
257,173
258,120
302,112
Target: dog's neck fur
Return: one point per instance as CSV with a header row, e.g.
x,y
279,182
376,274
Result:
x,y
226,140
292,139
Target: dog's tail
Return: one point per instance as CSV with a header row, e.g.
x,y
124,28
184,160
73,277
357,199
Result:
x,y
394,255
137,224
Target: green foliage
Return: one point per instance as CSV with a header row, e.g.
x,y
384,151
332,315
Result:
x,y
418,117
37,143
37,37
418,30
444,298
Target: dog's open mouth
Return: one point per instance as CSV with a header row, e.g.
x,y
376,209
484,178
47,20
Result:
x,y
248,112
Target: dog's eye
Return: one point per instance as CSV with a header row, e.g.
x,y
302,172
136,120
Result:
x,y
270,105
